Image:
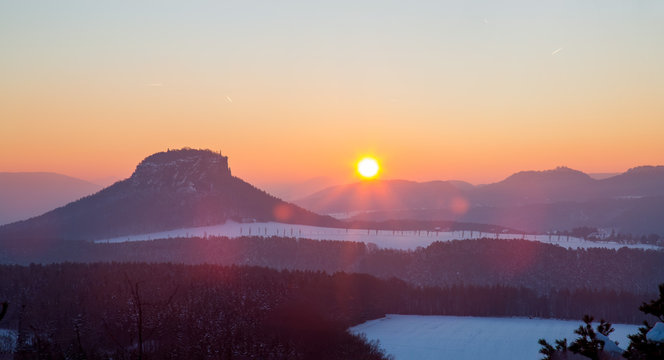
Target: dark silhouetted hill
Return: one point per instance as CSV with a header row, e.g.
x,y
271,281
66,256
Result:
x,y
528,187
640,181
168,190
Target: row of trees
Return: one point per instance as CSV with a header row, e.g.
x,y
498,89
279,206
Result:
x,y
594,234
483,262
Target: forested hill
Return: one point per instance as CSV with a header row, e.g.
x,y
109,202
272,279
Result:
x,y
483,262
168,190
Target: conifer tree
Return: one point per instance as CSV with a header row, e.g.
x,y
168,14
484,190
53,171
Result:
x,y
640,346
587,344
549,351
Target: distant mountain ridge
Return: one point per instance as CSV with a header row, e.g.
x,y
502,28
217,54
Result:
x,y
188,188
560,184
564,184
27,194
168,190
522,188
548,200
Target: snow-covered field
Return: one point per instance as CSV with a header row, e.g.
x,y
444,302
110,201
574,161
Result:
x,y
414,337
382,238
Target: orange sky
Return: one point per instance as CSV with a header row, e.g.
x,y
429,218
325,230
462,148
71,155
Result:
x,y
291,92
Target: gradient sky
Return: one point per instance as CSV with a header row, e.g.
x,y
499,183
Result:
x,y
290,90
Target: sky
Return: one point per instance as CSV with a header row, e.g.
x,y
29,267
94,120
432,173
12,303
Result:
x,y
293,90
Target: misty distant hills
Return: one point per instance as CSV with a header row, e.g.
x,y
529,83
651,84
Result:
x,y
526,187
564,184
168,190
27,194
384,195
639,216
559,199
296,189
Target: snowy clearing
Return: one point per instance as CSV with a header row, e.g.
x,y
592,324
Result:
x,y
383,238
414,337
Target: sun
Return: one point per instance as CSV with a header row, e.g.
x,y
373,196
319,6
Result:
x,y
368,167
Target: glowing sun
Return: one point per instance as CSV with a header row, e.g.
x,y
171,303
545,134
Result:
x,y
368,167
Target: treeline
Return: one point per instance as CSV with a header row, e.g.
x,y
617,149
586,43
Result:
x,y
170,311
164,311
484,262
594,234
424,225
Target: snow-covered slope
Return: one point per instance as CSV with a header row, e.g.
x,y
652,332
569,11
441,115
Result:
x,y
413,337
382,238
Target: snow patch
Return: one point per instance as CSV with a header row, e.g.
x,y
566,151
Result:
x,y
415,337
610,346
404,240
656,333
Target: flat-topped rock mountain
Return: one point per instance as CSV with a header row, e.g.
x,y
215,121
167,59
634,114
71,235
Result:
x,y
168,190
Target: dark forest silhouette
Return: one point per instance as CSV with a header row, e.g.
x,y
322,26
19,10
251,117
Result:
x,y
134,310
